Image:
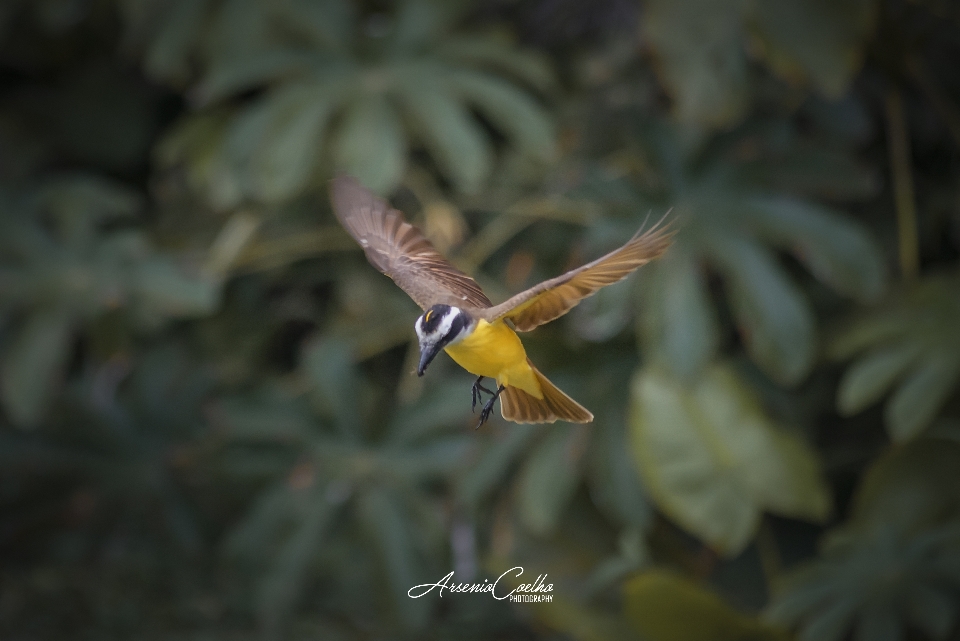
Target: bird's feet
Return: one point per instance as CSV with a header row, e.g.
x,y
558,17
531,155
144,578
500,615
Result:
x,y
477,388
488,407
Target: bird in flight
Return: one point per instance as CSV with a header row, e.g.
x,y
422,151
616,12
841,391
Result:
x,y
458,317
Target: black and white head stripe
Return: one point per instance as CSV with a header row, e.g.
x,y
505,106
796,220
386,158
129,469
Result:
x,y
442,324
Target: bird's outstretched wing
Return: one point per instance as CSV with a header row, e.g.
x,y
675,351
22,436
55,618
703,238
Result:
x,y
400,250
555,297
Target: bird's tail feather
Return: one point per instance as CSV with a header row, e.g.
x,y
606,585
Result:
x,y
520,407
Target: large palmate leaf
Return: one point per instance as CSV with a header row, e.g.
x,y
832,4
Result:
x,y
714,461
335,94
909,346
731,224
896,564
352,487
61,266
879,583
698,45
701,49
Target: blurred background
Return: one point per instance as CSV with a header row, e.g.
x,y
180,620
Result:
x,y
209,423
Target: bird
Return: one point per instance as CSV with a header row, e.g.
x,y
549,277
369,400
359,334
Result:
x,y
459,319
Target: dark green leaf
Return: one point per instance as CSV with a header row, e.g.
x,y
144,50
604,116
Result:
x,y
682,323
509,109
821,41
834,250
700,58
921,394
870,377
549,478
494,465
33,365
371,144
451,135
774,317
388,529
713,460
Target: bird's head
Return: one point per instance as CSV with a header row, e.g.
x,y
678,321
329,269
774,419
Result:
x,y
439,326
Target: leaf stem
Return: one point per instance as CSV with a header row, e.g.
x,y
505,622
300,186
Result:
x,y
898,144
769,554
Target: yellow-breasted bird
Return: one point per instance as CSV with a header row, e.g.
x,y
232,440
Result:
x,y
462,321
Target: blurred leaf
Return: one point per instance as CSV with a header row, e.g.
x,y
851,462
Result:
x,y
377,101
665,607
700,58
278,590
510,110
612,476
815,40
166,34
492,468
329,364
730,226
818,170
773,316
911,347
266,419
529,66
700,49
69,262
165,291
33,365
910,488
632,556
452,136
683,326
834,249
877,582
549,478
714,461
283,163
386,526
371,144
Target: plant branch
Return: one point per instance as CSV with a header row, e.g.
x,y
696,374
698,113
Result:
x,y
898,144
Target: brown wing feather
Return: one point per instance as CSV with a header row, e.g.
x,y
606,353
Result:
x,y
400,250
555,297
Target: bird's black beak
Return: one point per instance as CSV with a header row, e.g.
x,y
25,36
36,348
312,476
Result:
x,y
427,354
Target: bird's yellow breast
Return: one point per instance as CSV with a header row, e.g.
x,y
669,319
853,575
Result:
x,y
494,350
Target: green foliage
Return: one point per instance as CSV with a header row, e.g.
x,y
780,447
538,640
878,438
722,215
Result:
x,y
349,488
209,425
896,564
365,97
911,346
62,267
729,221
665,607
702,53
714,461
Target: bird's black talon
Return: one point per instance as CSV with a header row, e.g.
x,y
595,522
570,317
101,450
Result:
x,y
475,393
488,407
